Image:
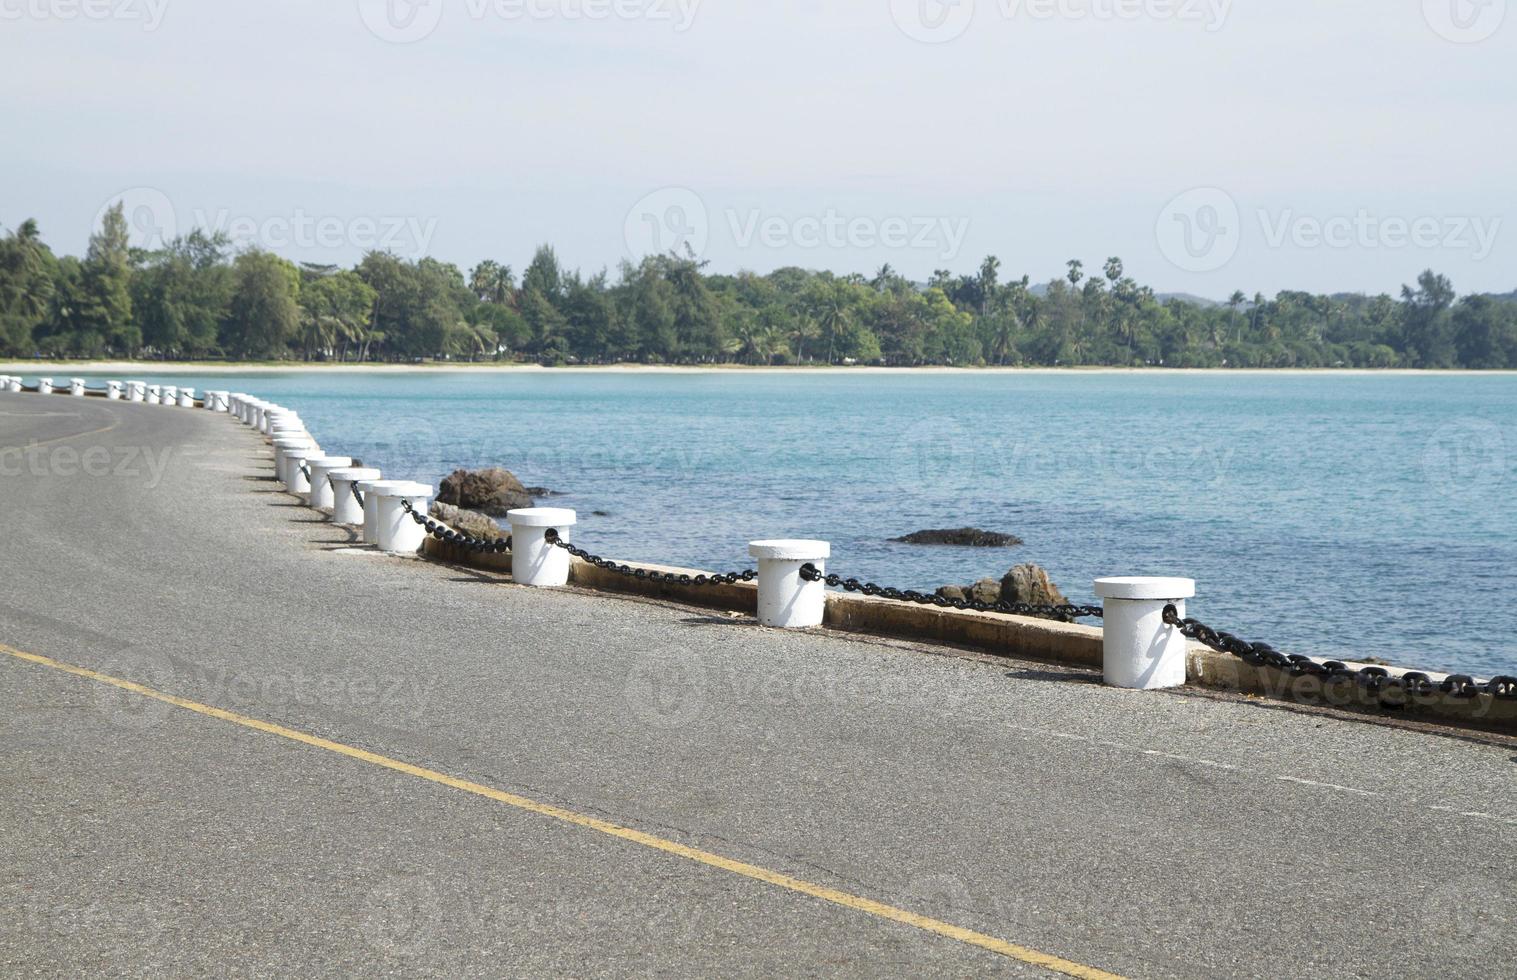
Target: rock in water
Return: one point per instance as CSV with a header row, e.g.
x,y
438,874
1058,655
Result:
x,y
1030,584
470,522
963,537
986,590
490,491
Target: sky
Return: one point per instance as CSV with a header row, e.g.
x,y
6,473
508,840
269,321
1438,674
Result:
x,y
1213,145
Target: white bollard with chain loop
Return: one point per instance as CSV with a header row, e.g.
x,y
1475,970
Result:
x,y
398,533
296,480
346,508
785,600
113,391
168,395
153,391
282,448
320,494
44,386
534,561
136,391
186,397
371,491
76,387
1139,650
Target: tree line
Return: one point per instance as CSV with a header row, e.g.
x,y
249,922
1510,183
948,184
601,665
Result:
x,y
198,298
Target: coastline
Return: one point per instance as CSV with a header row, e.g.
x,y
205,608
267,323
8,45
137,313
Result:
x,y
30,368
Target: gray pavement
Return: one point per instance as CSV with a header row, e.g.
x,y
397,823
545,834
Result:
x,y
1156,835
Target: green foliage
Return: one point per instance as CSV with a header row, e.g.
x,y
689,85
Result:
x,y
193,299
264,315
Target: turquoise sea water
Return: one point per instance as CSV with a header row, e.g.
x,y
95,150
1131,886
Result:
x,y
1333,515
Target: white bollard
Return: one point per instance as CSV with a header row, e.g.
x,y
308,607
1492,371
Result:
x,y
44,386
1139,650
76,387
345,506
282,448
186,397
398,532
136,391
294,476
786,600
371,491
168,395
534,561
275,413
287,427
216,401
113,390
153,391
320,494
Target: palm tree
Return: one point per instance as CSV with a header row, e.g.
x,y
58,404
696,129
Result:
x,y
493,282
803,329
771,342
990,275
830,302
1233,302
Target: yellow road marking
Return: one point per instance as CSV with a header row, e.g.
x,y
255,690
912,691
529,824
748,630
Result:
x,y
833,895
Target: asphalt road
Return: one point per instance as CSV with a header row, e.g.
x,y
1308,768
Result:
x,y
1156,835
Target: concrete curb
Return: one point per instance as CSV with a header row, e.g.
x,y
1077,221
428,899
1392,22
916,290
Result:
x,y
1067,644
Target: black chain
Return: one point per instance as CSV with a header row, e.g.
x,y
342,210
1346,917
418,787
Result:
x,y
442,532
1065,612
305,470
357,495
1373,679
648,574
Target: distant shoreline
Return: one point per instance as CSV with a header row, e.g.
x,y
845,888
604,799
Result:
x,y
33,368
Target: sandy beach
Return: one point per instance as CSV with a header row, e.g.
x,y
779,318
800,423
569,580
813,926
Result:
x,y
125,368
